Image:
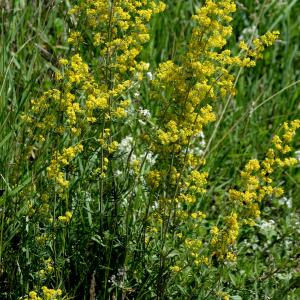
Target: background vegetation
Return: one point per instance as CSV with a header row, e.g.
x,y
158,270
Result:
x,y
33,38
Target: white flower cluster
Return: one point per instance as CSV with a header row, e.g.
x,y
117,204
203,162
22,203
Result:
x,y
198,145
286,201
126,144
126,150
267,225
144,113
248,33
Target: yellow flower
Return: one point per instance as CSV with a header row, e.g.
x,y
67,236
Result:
x,y
63,61
175,269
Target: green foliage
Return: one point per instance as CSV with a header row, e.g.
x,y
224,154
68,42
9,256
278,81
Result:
x,y
112,244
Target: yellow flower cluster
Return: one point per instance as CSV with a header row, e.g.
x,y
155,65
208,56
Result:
x,y
202,76
48,268
194,247
175,269
223,295
51,294
223,240
255,51
90,99
257,178
122,43
61,160
47,294
83,95
196,181
57,110
87,95
185,93
66,218
257,183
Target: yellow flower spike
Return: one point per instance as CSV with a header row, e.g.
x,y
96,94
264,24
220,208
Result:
x,y
214,230
66,218
63,219
113,147
194,215
68,215
63,61
153,178
230,257
175,269
32,295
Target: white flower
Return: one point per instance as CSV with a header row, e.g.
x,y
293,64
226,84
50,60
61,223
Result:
x,y
155,205
265,225
286,201
126,144
118,173
149,75
248,32
202,143
143,123
132,157
144,112
196,151
297,153
150,158
201,135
